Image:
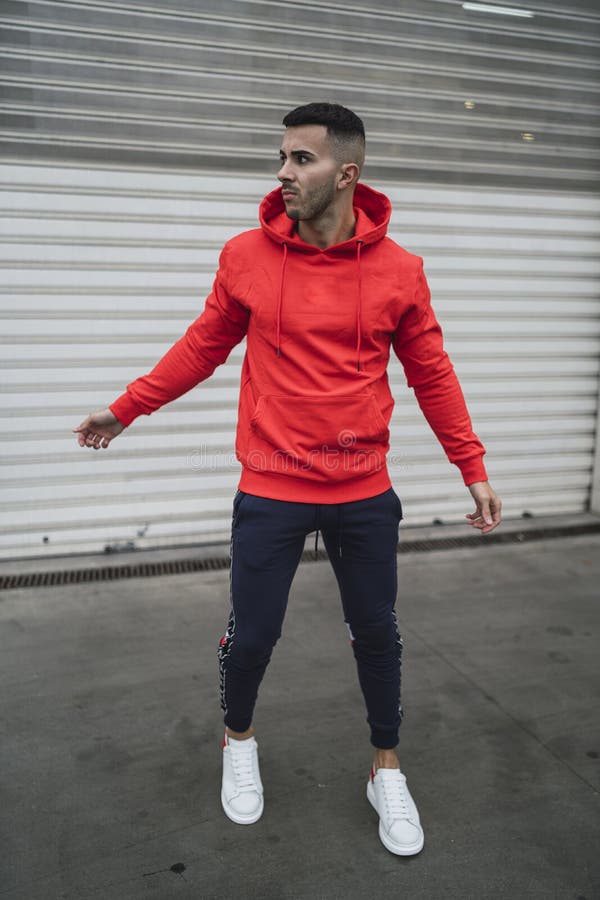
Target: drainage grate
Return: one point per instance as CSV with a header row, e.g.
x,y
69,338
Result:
x,y
215,563
112,573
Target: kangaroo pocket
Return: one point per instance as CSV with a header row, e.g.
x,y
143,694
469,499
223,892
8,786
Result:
x,y
318,438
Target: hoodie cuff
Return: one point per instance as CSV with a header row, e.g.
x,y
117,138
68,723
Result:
x,y
125,409
473,470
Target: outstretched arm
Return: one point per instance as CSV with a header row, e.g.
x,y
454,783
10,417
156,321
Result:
x,y
193,358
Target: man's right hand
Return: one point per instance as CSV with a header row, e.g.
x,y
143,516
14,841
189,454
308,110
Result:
x,y
98,429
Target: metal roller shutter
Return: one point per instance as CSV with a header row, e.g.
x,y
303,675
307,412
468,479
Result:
x,y
135,139
98,288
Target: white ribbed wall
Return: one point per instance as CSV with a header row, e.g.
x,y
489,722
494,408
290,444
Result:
x,y
104,268
136,137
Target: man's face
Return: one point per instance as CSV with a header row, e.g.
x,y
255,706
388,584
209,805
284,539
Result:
x,y
308,172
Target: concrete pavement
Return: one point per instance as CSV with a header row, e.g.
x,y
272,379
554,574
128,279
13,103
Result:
x,y
110,755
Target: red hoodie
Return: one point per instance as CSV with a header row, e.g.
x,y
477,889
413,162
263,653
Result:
x,y
315,403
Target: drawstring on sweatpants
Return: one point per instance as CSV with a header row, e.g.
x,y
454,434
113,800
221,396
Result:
x,y
339,529
339,533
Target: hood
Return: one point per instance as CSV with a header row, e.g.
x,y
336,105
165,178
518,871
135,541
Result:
x,y
372,211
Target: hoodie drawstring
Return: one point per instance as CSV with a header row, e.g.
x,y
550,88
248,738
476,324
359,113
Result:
x,y
280,298
358,305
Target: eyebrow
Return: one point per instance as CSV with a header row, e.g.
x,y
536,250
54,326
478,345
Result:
x,y
298,153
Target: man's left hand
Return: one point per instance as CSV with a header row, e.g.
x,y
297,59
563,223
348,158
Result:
x,y
488,512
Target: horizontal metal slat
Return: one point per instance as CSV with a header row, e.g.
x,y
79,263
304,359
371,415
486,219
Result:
x,y
18,224
60,97
435,105
55,376
171,329
192,499
554,20
116,484
337,42
167,131
180,77
443,23
190,188
24,239
505,451
52,398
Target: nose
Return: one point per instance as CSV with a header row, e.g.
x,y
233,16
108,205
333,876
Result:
x,y
285,173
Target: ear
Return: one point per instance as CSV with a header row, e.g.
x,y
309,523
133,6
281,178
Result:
x,y
348,175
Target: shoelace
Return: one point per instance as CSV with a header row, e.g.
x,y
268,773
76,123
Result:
x,y
243,770
394,795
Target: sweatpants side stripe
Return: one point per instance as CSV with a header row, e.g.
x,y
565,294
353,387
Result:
x,y
227,640
400,645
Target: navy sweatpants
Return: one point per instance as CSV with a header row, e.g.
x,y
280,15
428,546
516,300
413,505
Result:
x,y
267,541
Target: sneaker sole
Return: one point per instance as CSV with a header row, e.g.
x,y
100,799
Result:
x,y
249,819
388,843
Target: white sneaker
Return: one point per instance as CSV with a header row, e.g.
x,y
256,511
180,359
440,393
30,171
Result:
x,y
399,824
242,790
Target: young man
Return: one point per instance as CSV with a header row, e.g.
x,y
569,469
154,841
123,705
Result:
x,y
321,294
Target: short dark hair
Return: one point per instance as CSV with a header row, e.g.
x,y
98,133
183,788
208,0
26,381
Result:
x,y
345,129
338,119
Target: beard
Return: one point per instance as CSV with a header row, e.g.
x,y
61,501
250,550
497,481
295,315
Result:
x,y
315,203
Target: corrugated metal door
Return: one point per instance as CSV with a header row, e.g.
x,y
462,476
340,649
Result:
x,y
135,138
104,268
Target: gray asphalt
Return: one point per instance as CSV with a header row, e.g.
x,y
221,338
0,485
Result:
x,y
110,756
